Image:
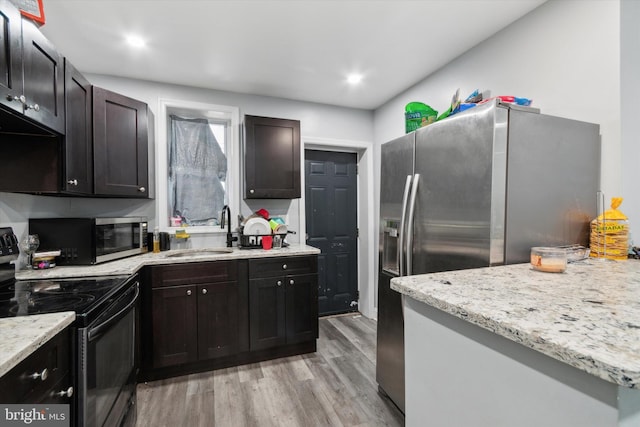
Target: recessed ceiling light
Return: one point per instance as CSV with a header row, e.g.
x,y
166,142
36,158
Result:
x,y
136,41
354,79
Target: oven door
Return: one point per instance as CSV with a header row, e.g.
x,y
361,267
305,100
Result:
x,y
107,364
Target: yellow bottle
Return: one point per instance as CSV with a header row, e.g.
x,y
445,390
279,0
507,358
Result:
x,y
156,240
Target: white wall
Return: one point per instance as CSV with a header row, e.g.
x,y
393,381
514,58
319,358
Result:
x,y
564,55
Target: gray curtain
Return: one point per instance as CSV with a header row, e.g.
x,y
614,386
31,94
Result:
x,y
197,168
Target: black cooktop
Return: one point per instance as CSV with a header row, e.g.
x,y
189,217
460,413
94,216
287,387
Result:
x,y
84,296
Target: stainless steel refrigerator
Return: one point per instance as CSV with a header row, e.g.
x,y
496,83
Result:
x,y
477,189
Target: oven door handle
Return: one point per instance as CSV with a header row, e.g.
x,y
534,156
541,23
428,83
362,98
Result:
x,y
99,329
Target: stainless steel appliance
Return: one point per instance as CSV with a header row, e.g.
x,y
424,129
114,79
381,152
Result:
x,y
477,189
104,361
85,241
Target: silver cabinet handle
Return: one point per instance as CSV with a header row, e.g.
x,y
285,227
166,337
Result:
x,y
20,98
279,282
34,107
291,282
284,266
252,191
189,292
204,292
42,375
142,189
72,182
68,392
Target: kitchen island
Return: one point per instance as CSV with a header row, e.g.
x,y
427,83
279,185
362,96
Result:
x,y
510,346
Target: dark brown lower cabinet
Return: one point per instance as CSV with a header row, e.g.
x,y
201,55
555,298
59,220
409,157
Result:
x,y
43,377
283,310
194,310
201,316
283,301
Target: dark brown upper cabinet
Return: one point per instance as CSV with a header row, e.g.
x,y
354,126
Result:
x,y
31,75
10,56
271,158
43,68
78,147
120,144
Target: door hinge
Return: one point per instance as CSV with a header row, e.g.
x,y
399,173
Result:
x,y
357,295
357,232
357,169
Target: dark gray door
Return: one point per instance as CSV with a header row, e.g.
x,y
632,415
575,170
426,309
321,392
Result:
x,y
331,216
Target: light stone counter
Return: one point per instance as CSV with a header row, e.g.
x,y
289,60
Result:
x,y
128,266
518,347
587,317
21,336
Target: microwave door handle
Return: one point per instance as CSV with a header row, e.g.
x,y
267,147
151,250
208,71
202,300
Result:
x,y
412,210
99,329
405,199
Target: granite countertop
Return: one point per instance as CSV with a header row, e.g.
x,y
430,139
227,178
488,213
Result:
x,y
130,265
587,317
21,336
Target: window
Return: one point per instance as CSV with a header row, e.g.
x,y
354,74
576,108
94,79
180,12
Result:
x,y
198,165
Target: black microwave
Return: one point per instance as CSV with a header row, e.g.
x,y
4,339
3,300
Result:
x,y
86,241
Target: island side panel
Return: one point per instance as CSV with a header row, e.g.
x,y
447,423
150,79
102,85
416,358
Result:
x,y
458,374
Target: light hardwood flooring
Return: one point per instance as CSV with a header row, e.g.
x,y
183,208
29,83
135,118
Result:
x,y
336,386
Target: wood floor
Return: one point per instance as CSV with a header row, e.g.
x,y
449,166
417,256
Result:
x,y
335,386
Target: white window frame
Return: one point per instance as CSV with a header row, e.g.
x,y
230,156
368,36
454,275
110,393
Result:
x,y
214,111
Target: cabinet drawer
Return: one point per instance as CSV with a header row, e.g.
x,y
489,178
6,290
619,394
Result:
x,y
269,267
19,386
194,273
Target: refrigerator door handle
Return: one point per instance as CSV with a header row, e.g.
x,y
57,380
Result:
x,y
403,218
409,229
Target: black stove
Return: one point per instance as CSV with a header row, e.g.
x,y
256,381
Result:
x,y
86,296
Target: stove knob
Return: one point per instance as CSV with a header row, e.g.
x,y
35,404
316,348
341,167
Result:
x,y
68,392
42,375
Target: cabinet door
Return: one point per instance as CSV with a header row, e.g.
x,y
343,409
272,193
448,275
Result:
x,y
272,158
78,169
43,69
10,56
218,333
175,337
302,308
120,145
267,313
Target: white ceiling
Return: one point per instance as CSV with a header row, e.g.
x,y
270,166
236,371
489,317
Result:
x,y
295,49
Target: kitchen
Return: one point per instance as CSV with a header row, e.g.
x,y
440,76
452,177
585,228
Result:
x,y
595,83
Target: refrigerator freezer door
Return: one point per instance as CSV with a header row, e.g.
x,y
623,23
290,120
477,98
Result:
x,y
396,166
460,161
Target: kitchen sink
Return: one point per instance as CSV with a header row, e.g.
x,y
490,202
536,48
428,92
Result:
x,y
200,251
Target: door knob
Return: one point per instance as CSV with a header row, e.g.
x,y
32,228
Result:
x,y
279,282
291,282
204,291
142,189
72,182
189,292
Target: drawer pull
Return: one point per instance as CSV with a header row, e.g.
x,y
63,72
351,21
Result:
x,y
68,392
284,266
279,283
189,292
291,282
204,291
42,375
